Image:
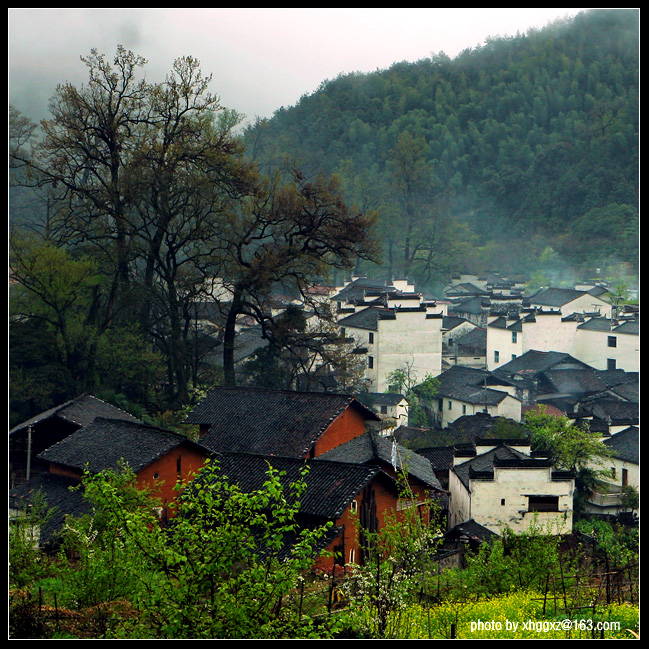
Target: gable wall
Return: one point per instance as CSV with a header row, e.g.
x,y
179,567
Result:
x,y
483,502
347,426
386,504
163,476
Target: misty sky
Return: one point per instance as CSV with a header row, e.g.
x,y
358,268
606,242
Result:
x,y
260,59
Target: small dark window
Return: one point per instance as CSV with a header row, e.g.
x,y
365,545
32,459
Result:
x,y
611,364
544,503
370,361
371,338
502,501
612,341
384,410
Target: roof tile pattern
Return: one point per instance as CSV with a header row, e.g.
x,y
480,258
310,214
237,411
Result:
x,y
268,422
102,444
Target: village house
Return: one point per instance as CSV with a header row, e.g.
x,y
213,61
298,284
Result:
x,y
609,344
598,341
372,448
468,349
570,300
278,422
465,391
499,484
31,437
159,458
388,405
395,338
624,468
574,388
356,498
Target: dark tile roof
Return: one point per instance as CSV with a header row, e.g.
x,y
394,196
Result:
x,y
472,531
625,445
269,422
627,391
596,324
475,305
450,322
556,297
524,369
631,327
330,486
574,382
466,288
618,377
440,457
481,425
367,318
381,398
614,411
60,499
373,448
104,443
475,339
79,411
362,287
470,385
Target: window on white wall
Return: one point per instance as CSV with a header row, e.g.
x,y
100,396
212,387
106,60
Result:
x,y
496,357
543,503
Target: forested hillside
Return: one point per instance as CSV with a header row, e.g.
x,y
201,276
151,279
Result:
x,y
517,152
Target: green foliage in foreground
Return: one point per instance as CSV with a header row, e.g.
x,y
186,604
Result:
x,y
220,570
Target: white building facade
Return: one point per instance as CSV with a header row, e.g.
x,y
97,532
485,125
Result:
x,y
503,487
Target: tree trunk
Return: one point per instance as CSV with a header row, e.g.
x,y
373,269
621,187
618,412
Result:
x,y
229,337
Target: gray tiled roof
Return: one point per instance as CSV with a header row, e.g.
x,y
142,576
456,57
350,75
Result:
x,y
372,447
79,411
556,297
330,486
625,445
368,318
269,422
104,443
60,499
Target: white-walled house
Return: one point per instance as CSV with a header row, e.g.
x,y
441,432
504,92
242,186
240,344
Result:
x,y
509,337
396,338
624,466
465,391
469,400
568,301
388,405
500,485
609,344
600,342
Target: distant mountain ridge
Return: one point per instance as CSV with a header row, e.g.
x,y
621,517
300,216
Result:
x,y
534,138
